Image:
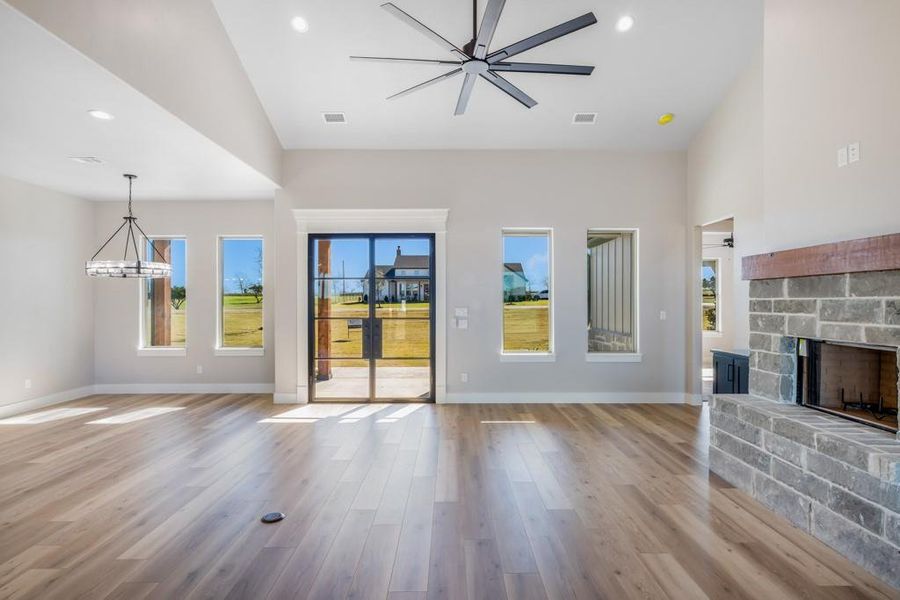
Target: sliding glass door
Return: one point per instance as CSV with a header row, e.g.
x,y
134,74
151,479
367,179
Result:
x,y
371,317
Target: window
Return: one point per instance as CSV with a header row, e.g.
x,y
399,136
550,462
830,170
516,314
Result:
x,y
612,291
527,322
164,301
711,296
241,294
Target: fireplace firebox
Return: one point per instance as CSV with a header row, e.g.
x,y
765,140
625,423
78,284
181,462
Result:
x,y
854,381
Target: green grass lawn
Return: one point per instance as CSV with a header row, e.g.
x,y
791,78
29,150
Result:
x,y
242,322
526,326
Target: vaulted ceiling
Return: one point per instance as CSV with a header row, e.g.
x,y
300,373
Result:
x,y
679,57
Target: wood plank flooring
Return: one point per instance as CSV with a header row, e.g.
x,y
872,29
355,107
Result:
x,y
407,502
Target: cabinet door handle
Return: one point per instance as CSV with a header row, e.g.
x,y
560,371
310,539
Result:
x,y
731,372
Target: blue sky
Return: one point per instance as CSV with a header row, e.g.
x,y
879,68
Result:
x,y
532,252
354,253
240,261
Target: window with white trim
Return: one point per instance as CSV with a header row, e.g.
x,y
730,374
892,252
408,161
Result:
x,y
711,298
527,297
164,301
240,292
612,291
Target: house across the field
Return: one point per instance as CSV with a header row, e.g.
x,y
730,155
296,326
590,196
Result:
x,y
406,279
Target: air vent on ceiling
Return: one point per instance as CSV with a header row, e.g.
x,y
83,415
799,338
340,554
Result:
x,y
584,118
87,160
334,118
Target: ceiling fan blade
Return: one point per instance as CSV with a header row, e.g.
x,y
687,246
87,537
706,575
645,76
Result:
x,y
526,100
516,67
423,29
425,84
465,93
543,37
488,27
426,61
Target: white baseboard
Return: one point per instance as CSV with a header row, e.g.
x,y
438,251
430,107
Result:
x,y
184,388
568,398
24,406
285,398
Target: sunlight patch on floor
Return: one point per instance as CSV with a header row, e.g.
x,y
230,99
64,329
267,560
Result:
x,y
136,415
49,415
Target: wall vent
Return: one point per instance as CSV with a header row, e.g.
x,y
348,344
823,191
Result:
x,y
584,118
86,160
334,118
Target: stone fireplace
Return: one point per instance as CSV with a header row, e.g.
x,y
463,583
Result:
x,y
816,440
843,326
850,380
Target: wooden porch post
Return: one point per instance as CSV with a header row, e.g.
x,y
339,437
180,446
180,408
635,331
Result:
x,y
161,299
323,336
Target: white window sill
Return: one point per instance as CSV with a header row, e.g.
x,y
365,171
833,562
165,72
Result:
x,y
536,357
712,334
162,351
238,351
614,357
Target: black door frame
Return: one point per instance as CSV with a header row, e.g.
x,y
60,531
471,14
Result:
x,y
310,310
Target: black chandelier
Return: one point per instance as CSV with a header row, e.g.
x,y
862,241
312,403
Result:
x,y
125,267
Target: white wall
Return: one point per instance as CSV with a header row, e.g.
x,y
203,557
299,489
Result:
x,y
177,53
117,302
831,78
725,179
485,191
46,310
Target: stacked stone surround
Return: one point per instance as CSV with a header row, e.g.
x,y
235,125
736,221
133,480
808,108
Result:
x,y
835,479
602,340
854,307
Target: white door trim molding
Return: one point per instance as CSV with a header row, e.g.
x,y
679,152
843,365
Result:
x,y
400,220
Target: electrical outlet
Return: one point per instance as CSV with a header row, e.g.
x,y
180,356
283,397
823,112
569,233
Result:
x,y
842,156
464,377
662,315
199,369
27,384
853,152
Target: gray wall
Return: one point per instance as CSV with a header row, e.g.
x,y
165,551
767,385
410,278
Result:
x,y
46,309
117,302
486,191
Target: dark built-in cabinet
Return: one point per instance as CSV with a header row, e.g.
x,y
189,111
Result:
x,y
731,372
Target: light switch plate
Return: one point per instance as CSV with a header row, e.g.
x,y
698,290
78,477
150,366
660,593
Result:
x,y
662,315
842,156
853,152
462,323
461,312
464,377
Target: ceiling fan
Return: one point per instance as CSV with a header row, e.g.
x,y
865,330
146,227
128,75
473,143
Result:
x,y
475,59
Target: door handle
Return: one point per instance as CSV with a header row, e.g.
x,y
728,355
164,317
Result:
x,y
366,338
731,372
377,349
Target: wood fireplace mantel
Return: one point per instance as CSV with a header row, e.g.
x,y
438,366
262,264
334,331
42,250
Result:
x,y
880,253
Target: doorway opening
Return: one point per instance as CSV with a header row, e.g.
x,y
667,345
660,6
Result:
x,y
371,317
717,285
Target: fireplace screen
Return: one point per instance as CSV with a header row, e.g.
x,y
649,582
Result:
x,y
850,380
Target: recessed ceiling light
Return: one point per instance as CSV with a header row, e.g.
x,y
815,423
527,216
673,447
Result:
x,y
101,114
299,24
624,23
665,119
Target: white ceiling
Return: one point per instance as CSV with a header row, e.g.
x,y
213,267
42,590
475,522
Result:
x,y
680,57
47,89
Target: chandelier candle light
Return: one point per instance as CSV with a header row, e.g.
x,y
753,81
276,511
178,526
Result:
x,y
125,267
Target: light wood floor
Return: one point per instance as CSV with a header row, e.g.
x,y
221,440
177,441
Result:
x,y
586,502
